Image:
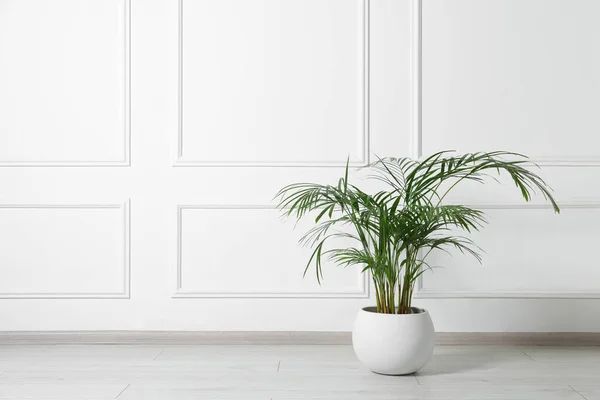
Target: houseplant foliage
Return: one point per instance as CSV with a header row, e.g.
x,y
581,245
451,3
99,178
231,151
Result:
x,y
396,229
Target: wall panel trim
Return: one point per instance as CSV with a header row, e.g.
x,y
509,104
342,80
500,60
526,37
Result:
x,y
422,292
125,294
126,161
416,118
178,145
416,134
362,291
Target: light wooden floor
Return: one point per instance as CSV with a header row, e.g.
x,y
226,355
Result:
x,y
291,372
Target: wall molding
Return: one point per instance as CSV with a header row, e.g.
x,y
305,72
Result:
x,y
416,74
422,292
125,294
362,292
126,161
181,161
167,338
416,133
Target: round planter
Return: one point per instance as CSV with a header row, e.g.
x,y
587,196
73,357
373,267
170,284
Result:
x,y
393,344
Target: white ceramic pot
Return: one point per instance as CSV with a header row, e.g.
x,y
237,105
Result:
x,y
393,344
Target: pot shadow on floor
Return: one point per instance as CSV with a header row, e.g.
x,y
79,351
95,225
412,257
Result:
x,y
461,361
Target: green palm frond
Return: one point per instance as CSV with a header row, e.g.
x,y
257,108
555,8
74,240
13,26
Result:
x,y
392,232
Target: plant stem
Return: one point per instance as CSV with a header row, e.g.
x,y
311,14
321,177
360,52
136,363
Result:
x,y
392,294
383,295
399,296
377,299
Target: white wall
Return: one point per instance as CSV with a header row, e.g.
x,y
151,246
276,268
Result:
x,y
518,75
141,143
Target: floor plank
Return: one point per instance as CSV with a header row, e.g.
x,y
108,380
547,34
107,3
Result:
x,y
279,372
60,391
588,392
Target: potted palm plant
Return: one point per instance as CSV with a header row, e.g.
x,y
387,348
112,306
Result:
x,y
393,232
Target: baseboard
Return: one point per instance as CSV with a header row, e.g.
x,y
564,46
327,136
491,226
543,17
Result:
x,y
173,337
519,338
289,338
